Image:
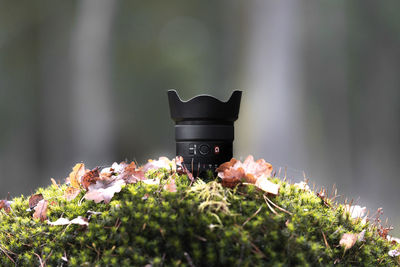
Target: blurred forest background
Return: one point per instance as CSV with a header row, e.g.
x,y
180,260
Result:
x,y
87,80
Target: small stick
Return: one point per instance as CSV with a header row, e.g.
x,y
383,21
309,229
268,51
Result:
x,y
276,206
252,216
40,260
326,242
269,206
8,256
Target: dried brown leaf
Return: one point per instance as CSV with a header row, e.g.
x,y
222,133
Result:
x,y
41,210
131,174
257,172
75,176
71,193
348,240
34,200
5,205
231,173
90,177
104,190
257,168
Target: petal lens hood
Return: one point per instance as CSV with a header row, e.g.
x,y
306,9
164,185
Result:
x,y
204,129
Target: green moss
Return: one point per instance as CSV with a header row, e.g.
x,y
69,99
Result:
x,y
204,224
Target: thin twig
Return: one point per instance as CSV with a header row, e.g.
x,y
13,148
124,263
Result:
x,y
326,242
276,206
8,256
252,216
40,260
269,206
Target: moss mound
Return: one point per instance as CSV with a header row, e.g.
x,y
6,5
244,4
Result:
x,y
203,224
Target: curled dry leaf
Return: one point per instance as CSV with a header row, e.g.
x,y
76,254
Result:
x,y
34,200
5,205
64,221
75,176
104,190
257,172
41,210
71,193
231,173
256,168
113,170
131,174
348,240
90,177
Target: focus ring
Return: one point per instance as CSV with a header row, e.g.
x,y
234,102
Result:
x,y
204,132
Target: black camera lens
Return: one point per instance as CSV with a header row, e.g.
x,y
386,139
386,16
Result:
x,y
204,129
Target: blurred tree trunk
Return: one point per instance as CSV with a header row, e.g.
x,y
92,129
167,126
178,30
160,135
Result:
x,y
92,108
273,106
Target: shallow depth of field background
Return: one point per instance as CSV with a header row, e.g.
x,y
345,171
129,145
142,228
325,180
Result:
x,y
87,80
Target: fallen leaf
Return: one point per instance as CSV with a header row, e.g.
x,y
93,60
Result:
x,y
75,176
90,177
392,239
5,204
394,253
131,174
348,240
71,193
162,162
264,184
41,210
231,173
170,186
64,221
257,172
257,168
34,200
113,170
104,190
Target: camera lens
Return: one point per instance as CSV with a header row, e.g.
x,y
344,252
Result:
x,y
204,130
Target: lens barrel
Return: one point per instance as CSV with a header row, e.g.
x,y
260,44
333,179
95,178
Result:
x,y
204,130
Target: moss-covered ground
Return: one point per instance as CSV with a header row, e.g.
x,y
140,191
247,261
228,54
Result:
x,y
201,224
